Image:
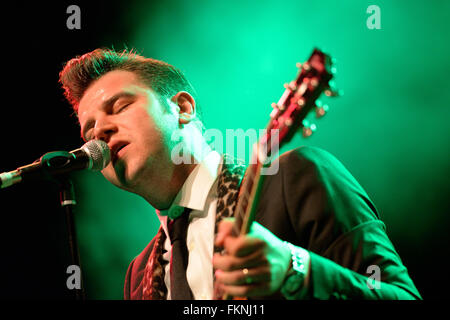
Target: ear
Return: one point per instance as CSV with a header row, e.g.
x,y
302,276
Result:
x,y
186,105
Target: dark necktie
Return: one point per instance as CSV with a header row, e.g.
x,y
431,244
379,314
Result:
x,y
179,286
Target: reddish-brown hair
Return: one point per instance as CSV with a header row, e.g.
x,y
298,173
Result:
x,y
79,72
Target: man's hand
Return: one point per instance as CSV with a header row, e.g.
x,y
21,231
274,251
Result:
x,y
250,265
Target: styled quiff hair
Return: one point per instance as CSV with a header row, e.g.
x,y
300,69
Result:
x,y
163,78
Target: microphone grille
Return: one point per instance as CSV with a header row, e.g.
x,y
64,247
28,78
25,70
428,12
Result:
x,y
99,153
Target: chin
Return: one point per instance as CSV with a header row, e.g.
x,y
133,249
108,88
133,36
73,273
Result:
x,y
130,174
128,177
117,175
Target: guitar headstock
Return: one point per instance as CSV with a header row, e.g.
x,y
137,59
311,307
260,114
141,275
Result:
x,y
300,97
288,115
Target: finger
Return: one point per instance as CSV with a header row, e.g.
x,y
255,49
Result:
x,y
242,245
224,229
244,276
229,262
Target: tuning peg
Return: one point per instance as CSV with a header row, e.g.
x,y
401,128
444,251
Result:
x,y
306,66
314,82
333,93
321,110
298,65
332,84
288,122
277,106
307,128
290,86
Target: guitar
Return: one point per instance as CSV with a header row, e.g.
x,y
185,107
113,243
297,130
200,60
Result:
x,y
287,117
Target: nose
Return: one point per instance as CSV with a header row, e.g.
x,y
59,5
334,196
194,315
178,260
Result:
x,y
104,129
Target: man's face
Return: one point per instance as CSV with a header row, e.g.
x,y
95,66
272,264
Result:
x,y
119,109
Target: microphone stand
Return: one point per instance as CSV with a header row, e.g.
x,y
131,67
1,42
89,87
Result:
x,y
56,160
68,201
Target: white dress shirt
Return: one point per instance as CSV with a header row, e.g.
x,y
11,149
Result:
x,y
199,194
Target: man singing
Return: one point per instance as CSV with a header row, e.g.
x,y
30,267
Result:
x,y
316,234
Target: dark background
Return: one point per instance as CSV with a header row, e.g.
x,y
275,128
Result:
x,y
35,119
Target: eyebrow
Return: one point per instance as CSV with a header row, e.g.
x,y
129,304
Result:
x,y
104,106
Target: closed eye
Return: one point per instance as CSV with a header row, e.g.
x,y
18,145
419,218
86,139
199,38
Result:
x,y
121,108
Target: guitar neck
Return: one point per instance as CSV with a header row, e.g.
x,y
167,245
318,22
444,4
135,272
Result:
x,y
245,212
248,198
287,117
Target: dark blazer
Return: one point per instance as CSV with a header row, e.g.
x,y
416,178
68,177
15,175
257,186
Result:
x,y
315,203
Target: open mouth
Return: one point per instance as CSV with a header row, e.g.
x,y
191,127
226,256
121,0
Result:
x,y
118,152
120,148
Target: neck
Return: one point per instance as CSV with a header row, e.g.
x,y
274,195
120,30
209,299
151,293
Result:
x,y
169,179
164,191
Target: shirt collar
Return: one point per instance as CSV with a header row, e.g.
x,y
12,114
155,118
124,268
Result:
x,y
195,190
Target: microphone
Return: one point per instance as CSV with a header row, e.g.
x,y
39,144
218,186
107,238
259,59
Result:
x,y
93,155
